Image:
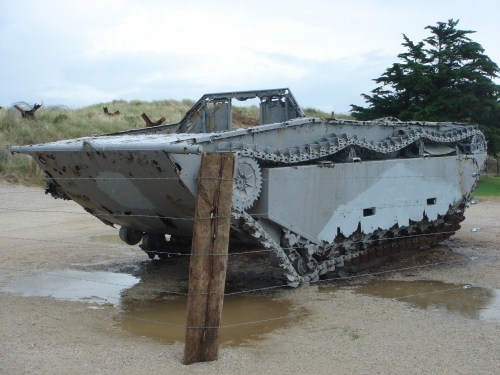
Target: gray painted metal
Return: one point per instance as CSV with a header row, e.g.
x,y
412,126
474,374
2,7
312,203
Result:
x,y
317,193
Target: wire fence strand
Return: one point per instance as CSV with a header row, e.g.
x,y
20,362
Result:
x,y
169,253
255,290
300,212
196,178
218,327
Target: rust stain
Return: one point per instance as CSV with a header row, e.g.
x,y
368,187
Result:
x,y
41,158
80,197
178,203
86,203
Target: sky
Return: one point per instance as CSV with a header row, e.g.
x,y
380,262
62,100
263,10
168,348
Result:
x,y
77,53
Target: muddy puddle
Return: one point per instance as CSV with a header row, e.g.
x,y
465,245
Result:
x,y
436,297
93,287
137,317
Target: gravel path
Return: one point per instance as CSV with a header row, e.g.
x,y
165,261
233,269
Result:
x,y
345,333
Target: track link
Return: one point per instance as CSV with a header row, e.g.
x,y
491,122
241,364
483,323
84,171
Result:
x,y
324,258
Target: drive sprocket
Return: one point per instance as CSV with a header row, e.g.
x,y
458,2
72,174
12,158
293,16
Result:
x,y
247,182
479,143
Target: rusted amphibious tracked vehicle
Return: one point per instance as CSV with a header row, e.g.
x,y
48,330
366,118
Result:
x,y
318,194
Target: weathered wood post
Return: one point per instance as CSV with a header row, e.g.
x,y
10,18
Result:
x,y
8,155
207,269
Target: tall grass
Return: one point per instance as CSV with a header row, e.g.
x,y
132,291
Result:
x,y
54,124
57,123
313,112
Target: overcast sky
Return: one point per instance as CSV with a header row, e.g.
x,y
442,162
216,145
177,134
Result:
x,y
327,52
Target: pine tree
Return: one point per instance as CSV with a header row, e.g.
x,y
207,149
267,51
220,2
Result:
x,y
445,77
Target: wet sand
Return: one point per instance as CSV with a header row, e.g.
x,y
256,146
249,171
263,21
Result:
x,y
344,331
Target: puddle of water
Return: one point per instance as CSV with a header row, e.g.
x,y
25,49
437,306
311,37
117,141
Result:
x,y
106,287
237,309
72,285
107,238
437,297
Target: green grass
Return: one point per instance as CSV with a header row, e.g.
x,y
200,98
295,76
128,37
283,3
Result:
x,y
54,124
488,186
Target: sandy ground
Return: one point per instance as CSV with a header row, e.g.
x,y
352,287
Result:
x,y
345,333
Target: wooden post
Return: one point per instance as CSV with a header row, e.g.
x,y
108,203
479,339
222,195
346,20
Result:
x,y
207,268
8,155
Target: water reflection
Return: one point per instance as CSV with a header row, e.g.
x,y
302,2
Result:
x,y
95,287
140,317
437,297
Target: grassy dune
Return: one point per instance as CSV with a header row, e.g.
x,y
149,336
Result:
x,y
53,124
57,123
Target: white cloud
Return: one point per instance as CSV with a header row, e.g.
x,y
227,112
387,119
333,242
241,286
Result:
x,y
218,32
76,94
328,50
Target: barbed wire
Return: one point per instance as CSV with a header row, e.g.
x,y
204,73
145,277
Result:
x,y
192,218
43,211
105,245
196,178
385,240
247,291
426,293
125,286
378,273
58,241
23,191
219,327
45,225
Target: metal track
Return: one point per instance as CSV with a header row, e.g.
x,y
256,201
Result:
x,y
327,258
331,144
